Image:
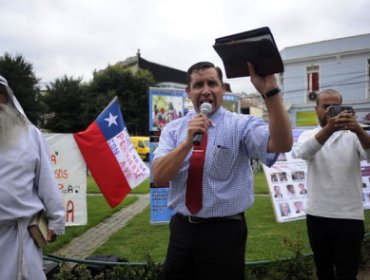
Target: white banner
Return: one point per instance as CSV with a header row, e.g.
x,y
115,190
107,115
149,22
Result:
x,y
70,173
287,181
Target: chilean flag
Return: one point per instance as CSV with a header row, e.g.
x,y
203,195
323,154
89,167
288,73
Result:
x,y
110,156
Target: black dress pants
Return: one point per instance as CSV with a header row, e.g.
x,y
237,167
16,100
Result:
x,y
336,245
213,250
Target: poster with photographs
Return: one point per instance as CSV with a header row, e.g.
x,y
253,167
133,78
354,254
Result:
x,y
287,184
165,105
365,170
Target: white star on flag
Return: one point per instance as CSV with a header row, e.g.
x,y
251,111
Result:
x,y
111,120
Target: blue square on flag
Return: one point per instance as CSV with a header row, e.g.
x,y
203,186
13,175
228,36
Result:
x,y
110,121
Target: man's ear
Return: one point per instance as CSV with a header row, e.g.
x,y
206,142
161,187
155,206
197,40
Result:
x,y
187,89
223,89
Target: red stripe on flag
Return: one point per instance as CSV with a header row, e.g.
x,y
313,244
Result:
x,y
102,164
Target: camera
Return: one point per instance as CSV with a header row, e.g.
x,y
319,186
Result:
x,y
337,109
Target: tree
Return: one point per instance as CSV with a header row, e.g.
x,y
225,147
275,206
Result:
x,y
64,102
21,78
132,91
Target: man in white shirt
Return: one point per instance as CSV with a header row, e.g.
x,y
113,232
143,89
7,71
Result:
x,y
335,214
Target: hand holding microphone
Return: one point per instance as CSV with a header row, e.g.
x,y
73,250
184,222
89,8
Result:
x,y
205,109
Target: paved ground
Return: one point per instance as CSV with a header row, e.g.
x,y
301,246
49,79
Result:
x,y
82,246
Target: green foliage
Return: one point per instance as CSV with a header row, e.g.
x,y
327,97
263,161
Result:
x,y
365,249
22,80
132,90
149,271
64,103
69,106
80,272
298,267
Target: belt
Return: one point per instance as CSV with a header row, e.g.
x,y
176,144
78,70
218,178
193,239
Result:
x,y
199,220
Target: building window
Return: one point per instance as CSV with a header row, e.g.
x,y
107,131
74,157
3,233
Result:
x,y
312,82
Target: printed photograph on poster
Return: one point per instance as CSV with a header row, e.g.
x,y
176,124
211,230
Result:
x,y
286,181
365,171
165,105
165,109
230,103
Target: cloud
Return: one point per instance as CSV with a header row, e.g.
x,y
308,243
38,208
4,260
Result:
x,y
76,37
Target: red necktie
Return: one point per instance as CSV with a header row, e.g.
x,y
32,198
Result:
x,y
195,177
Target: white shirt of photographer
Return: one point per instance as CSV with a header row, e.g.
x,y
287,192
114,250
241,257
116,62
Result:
x,y
334,181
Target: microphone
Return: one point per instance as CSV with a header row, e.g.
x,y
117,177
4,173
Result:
x,y
206,109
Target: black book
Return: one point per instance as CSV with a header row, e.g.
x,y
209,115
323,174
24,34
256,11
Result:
x,y
256,46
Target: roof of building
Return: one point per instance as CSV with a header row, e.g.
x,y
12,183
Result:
x,y
160,72
328,47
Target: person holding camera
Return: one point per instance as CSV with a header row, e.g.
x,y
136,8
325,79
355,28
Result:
x,y
335,215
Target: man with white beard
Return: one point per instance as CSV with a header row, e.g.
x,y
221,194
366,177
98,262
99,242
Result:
x,y
27,185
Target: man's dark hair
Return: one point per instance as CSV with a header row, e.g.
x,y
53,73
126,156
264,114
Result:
x,y
202,66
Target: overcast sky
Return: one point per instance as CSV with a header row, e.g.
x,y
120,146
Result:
x,y
76,37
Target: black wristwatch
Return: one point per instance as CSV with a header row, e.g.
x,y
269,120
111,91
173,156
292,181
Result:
x,y
271,93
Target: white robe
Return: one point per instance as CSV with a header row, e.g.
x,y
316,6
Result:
x,y
27,185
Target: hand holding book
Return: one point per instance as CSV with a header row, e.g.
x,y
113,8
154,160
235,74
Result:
x,y
255,46
38,229
267,86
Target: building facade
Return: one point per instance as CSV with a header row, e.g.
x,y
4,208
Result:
x,y
342,64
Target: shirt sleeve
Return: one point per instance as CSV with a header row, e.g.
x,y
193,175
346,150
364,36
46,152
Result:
x,y
256,136
307,146
47,187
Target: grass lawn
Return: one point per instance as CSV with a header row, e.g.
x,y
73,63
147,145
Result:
x,y
98,210
139,238
265,240
141,189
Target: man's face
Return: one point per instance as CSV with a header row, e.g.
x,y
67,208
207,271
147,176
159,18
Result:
x,y
205,86
285,208
326,100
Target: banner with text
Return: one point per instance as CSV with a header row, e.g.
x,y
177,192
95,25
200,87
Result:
x,y
70,173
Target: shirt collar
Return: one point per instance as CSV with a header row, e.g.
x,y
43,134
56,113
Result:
x,y
217,116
